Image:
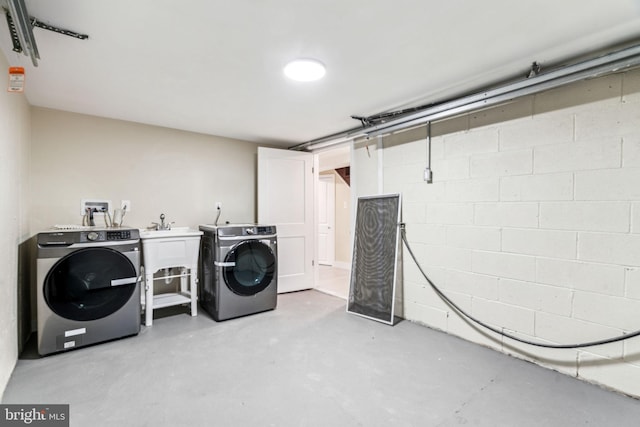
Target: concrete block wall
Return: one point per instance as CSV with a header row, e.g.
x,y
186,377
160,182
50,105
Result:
x,y
532,224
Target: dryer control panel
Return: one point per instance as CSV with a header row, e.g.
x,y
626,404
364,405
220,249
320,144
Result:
x,y
265,229
245,230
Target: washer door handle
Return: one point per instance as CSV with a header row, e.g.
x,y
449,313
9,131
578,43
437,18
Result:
x,y
224,264
125,281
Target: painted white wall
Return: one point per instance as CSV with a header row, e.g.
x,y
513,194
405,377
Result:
x,y
334,158
14,186
160,170
343,223
532,223
364,168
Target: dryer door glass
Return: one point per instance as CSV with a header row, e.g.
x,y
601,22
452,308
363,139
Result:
x,y
251,267
90,284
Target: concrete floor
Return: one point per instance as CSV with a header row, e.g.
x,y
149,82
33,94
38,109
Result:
x,y
333,281
308,363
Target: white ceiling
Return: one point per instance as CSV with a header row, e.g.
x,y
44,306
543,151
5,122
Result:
x,y
215,67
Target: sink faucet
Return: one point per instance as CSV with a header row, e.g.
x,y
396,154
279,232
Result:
x,y
162,225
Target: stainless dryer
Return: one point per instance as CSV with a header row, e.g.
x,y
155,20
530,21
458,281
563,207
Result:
x,y
238,270
88,287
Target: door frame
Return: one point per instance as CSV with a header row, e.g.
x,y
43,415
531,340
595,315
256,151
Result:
x,y
331,212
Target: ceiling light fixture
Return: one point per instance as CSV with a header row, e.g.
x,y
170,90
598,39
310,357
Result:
x,y
305,70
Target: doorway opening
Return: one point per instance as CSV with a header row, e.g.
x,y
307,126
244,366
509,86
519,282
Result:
x,y
333,232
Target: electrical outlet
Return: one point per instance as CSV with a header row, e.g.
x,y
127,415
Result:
x,y
125,205
219,205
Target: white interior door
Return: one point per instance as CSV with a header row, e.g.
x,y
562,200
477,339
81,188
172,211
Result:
x,y
326,219
286,200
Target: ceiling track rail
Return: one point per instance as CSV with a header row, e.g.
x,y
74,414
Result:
x,y
21,30
15,40
612,62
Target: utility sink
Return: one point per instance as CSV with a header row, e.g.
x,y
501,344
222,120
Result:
x,y
177,247
170,248
174,232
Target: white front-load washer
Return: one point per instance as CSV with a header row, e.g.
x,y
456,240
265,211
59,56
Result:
x,y
238,270
88,287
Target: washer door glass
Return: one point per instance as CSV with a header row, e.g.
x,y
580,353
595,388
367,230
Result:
x,y
253,269
90,284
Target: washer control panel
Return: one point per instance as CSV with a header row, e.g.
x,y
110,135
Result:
x,y
97,235
107,235
119,235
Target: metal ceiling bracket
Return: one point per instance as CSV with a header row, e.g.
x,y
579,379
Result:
x,y
62,31
364,120
535,70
